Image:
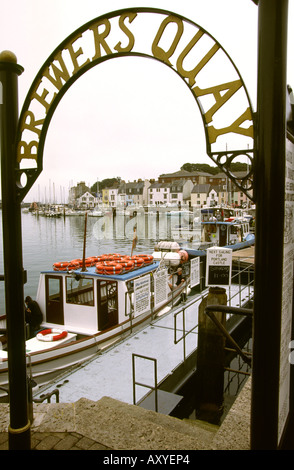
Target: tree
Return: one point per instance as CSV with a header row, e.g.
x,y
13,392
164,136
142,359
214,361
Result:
x,y
203,167
213,170
106,183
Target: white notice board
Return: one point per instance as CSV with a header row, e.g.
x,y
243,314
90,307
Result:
x,y
195,272
219,266
142,294
287,291
161,287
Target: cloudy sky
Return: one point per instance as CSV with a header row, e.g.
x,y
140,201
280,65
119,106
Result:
x,y
128,117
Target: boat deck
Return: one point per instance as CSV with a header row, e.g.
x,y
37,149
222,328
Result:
x,y
110,373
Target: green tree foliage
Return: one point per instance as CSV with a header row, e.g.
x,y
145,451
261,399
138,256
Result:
x,y
106,183
213,170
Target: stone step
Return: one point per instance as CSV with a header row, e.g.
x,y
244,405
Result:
x,y
133,427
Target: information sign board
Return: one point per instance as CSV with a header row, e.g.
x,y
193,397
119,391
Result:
x,y
142,294
219,266
195,272
287,290
160,287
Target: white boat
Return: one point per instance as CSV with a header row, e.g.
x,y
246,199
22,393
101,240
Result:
x,y
234,234
74,213
95,213
89,304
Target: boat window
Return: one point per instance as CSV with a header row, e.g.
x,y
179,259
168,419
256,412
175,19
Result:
x,y
53,288
79,290
107,304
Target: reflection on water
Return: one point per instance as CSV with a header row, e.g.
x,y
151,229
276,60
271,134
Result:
x,y
48,240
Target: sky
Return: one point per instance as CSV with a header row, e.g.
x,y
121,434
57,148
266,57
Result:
x,y
128,117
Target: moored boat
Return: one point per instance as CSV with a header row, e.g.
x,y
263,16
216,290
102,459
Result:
x,y
90,304
234,234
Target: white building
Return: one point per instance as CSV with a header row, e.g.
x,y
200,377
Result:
x,y
175,193
206,195
86,201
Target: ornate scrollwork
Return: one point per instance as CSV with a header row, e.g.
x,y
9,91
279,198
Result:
x,y
245,182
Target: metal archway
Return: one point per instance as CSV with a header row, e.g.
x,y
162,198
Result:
x,y
175,41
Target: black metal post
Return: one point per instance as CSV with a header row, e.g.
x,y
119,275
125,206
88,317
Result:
x,y
19,428
269,181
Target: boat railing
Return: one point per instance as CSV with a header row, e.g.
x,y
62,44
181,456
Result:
x,y
48,396
173,297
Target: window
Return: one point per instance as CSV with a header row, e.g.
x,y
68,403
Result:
x,y
108,305
79,290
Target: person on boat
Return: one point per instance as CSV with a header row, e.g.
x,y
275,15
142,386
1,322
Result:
x,y
180,279
33,316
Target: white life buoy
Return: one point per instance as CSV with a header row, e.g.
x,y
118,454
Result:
x,y
51,334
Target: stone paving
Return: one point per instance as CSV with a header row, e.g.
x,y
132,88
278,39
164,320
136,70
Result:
x,y
111,425
57,441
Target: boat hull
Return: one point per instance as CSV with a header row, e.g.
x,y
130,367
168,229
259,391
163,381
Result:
x,y
49,362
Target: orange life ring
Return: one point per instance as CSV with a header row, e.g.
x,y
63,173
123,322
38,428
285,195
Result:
x,y
137,260
76,261
62,266
116,256
66,266
109,267
48,335
148,259
127,265
93,260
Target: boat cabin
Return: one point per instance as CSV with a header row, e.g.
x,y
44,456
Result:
x,y
224,233
86,302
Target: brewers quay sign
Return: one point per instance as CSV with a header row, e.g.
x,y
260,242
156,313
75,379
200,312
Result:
x,y
198,59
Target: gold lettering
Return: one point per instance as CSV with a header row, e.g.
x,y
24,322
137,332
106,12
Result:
x,y
99,38
42,98
213,133
191,74
31,125
220,100
58,74
129,34
157,51
24,150
75,54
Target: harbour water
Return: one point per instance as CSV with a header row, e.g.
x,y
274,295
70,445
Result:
x,y
47,240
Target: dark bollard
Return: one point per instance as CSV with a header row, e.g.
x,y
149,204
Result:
x,y
210,359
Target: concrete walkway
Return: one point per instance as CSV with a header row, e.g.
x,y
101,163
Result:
x,y
111,425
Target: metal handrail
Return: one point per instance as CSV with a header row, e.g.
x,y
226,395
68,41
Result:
x,y
210,309
226,308
155,387
47,397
